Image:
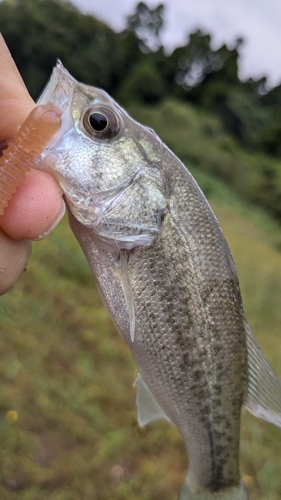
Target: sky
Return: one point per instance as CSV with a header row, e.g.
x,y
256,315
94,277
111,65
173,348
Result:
x,y
257,21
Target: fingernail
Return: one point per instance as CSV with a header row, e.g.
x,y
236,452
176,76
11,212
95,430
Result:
x,y
58,219
3,145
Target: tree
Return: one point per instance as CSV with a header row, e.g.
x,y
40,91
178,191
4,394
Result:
x,y
89,49
146,24
143,84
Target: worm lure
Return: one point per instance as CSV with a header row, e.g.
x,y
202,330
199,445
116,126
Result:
x,y
32,138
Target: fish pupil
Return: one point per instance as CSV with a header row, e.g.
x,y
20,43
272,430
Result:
x,y
98,122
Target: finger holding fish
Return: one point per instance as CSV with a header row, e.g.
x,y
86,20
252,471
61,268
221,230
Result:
x,y
37,206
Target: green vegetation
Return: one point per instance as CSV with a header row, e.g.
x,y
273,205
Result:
x,y
68,425
69,376
198,137
132,66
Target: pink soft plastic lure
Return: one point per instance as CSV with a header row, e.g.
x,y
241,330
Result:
x,y
32,138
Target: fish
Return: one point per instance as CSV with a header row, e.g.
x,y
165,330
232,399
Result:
x,y
167,278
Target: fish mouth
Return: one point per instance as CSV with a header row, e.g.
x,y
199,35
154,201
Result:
x,y
59,89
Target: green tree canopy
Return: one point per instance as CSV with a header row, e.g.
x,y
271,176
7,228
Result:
x,y
146,24
134,66
40,31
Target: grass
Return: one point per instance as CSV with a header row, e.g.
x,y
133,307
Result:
x,y
199,138
68,425
68,422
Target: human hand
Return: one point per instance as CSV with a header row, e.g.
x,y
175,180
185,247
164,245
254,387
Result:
x,y
37,206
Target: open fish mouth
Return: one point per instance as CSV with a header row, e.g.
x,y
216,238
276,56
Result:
x,y
59,91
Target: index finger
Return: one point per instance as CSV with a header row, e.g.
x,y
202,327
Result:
x,y
37,206
13,95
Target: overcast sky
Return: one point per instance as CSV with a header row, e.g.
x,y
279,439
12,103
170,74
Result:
x,y
257,21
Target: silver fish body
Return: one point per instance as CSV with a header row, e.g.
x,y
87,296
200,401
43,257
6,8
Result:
x,y
167,278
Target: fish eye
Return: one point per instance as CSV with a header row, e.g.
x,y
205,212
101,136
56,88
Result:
x,y
98,122
101,122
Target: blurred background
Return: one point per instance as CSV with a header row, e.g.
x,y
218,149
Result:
x,y
206,78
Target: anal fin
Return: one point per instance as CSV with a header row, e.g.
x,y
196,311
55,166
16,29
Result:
x,y
148,408
263,397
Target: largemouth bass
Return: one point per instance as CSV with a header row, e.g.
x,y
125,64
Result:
x,y
167,278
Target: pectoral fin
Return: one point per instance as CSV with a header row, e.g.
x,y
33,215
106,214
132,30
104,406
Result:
x,y
128,294
263,397
148,408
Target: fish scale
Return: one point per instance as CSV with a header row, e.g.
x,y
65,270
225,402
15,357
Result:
x,y
167,278
181,340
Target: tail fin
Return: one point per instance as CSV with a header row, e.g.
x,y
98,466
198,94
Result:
x,y
234,493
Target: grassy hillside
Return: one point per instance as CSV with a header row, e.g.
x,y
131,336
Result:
x,y
199,138
68,427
